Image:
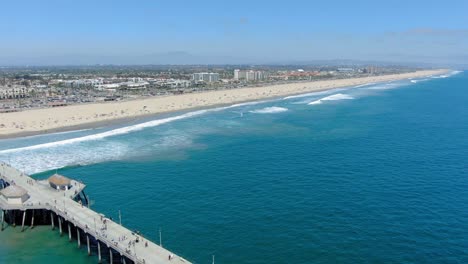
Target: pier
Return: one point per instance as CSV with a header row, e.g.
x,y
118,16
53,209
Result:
x,y
61,203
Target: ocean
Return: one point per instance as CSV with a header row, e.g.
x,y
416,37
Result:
x,y
371,174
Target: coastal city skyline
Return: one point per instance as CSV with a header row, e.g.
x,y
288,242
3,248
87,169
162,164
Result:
x,y
205,32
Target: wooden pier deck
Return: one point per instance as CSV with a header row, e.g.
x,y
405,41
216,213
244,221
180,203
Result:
x,y
83,219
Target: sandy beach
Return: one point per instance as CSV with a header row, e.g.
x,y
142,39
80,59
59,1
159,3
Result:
x,y
37,121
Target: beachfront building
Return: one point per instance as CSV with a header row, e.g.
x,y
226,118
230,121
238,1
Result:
x,y
117,83
346,70
249,76
370,70
15,92
15,194
177,83
59,182
80,83
205,77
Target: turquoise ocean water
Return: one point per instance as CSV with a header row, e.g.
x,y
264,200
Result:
x,y
369,174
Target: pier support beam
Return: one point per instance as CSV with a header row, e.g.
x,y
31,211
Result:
x,y
32,220
78,237
12,216
99,251
13,212
22,222
3,218
111,256
123,260
69,232
89,248
60,226
52,220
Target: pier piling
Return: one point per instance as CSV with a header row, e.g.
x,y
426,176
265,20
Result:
x,y
22,222
89,248
78,237
13,212
99,251
111,256
32,219
3,218
52,220
42,199
60,226
69,232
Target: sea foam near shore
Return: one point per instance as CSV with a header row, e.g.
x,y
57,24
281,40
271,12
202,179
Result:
x,y
269,110
113,145
334,97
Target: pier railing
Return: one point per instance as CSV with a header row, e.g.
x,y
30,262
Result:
x,y
112,234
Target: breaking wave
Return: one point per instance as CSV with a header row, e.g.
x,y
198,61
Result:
x,y
39,160
307,94
269,110
127,129
389,85
450,74
334,97
115,132
242,104
364,85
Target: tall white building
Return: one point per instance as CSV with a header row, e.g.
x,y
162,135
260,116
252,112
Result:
x,y
249,75
205,77
236,74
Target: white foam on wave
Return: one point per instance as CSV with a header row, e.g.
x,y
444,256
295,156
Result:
x,y
386,86
334,97
326,91
114,132
307,94
173,141
364,85
242,104
81,150
39,160
442,76
126,130
158,142
270,110
315,102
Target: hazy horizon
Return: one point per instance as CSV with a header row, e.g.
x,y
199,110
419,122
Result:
x,y
242,32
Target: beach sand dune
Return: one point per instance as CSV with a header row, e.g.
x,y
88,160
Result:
x,y
36,121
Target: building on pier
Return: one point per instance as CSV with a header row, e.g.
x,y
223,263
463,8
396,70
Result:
x,y
59,182
15,194
68,211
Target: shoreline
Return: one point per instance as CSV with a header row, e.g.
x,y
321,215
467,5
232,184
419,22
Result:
x,y
88,116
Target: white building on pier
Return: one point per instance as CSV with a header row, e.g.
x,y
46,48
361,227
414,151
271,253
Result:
x,y
15,194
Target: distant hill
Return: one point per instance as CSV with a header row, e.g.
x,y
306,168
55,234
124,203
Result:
x,y
185,58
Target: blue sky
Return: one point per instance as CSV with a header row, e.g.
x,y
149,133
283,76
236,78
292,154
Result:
x,y
208,31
